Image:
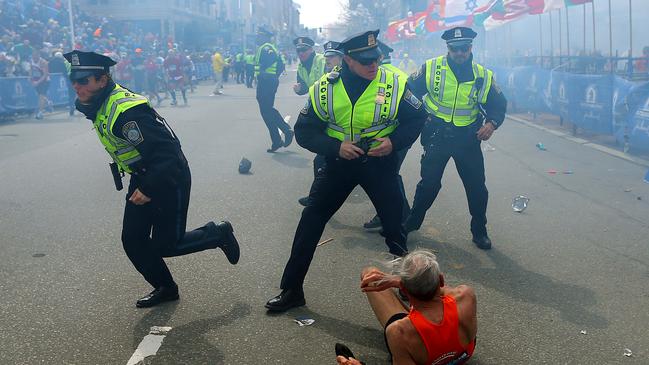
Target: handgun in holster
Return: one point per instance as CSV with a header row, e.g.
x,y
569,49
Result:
x,y
117,175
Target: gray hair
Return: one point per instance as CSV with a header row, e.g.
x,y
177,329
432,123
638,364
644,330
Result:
x,y
419,273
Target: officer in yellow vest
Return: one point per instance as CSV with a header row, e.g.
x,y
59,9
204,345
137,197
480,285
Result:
x,y
386,63
357,117
311,67
268,67
141,144
466,107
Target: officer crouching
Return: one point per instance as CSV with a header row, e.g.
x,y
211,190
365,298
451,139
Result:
x,y
357,116
144,146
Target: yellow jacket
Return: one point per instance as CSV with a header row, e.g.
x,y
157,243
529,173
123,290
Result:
x,y
217,62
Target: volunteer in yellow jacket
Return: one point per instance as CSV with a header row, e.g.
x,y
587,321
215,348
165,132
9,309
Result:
x,y
357,116
466,107
311,67
141,144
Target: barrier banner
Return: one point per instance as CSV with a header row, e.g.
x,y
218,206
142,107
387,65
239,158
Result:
x,y
637,129
18,94
591,101
58,91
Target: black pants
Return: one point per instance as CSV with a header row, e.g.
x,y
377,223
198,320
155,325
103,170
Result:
x,y
266,90
378,177
157,229
461,144
250,74
401,156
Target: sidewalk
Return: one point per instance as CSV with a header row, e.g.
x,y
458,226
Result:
x,y
602,143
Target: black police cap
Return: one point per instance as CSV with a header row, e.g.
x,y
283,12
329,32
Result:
x,y
331,49
385,48
84,64
303,42
459,36
362,46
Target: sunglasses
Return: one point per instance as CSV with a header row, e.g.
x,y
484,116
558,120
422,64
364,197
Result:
x,y
367,61
81,81
463,48
302,50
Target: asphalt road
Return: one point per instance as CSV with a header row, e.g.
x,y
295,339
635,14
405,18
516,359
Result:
x,y
576,260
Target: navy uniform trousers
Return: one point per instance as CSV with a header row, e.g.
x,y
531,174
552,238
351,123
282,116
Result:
x,y
378,177
442,143
266,90
157,229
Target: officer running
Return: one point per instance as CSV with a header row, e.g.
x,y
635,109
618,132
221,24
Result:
x,y
268,67
466,107
357,118
142,145
311,67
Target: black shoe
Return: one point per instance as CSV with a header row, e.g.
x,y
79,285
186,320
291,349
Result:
x,y
287,299
482,241
409,227
373,223
224,239
159,295
288,138
304,201
273,148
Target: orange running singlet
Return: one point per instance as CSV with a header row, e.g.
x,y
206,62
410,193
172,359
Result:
x,y
442,340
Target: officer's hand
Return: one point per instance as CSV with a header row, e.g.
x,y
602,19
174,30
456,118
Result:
x,y
384,149
349,151
486,131
138,198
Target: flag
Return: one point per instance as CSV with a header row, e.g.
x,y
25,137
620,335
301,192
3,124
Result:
x,y
510,10
562,4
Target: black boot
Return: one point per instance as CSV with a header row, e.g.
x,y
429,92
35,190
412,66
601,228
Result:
x,y
288,138
223,236
159,295
482,241
304,201
287,299
373,223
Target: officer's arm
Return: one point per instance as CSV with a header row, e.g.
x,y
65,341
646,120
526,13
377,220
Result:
x,y
496,105
267,57
412,117
303,86
310,133
161,156
417,82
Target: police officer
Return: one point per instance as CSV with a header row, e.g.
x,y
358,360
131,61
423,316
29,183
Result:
x,y
466,107
311,67
386,63
249,59
357,118
333,58
268,67
142,145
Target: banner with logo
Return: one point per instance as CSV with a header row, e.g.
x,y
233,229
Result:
x,y
18,94
58,91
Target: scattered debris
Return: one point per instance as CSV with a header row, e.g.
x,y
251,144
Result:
x,y
639,198
488,147
628,353
38,255
541,146
244,166
325,241
552,172
304,321
628,190
519,204
568,172
583,332
457,266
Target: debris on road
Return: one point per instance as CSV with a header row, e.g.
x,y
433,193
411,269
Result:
x,y
325,241
552,172
628,353
541,146
488,147
583,332
244,166
519,204
568,172
628,190
38,255
304,321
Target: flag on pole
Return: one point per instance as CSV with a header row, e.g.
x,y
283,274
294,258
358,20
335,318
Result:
x,y
562,4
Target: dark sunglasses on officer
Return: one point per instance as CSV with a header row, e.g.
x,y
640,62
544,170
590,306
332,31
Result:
x,y
367,61
83,80
303,49
460,48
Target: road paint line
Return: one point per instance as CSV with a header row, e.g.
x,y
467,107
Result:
x,y
149,345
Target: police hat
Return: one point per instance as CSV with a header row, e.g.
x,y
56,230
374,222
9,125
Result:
x,y
331,49
303,42
459,36
84,64
362,46
244,166
261,31
385,49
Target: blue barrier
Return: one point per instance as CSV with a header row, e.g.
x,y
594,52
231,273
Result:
x,y
18,94
59,89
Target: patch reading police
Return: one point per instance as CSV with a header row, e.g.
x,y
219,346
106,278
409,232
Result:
x,y
412,99
132,133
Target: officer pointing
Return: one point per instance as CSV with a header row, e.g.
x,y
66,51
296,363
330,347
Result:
x,y
142,145
357,117
466,107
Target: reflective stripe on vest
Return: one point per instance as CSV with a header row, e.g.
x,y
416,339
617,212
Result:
x,y
373,115
119,101
453,102
317,70
272,69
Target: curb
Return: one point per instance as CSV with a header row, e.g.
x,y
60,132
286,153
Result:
x,y
609,151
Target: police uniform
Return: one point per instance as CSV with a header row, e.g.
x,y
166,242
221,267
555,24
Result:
x,y
268,67
386,63
141,144
346,107
455,95
311,69
249,59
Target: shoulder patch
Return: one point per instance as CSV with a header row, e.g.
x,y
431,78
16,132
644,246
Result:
x,y
305,109
132,133
412,99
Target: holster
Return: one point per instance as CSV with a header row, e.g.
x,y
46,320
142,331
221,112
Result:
x,y
117,176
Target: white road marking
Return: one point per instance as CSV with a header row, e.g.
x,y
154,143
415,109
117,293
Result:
x,y
149,345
